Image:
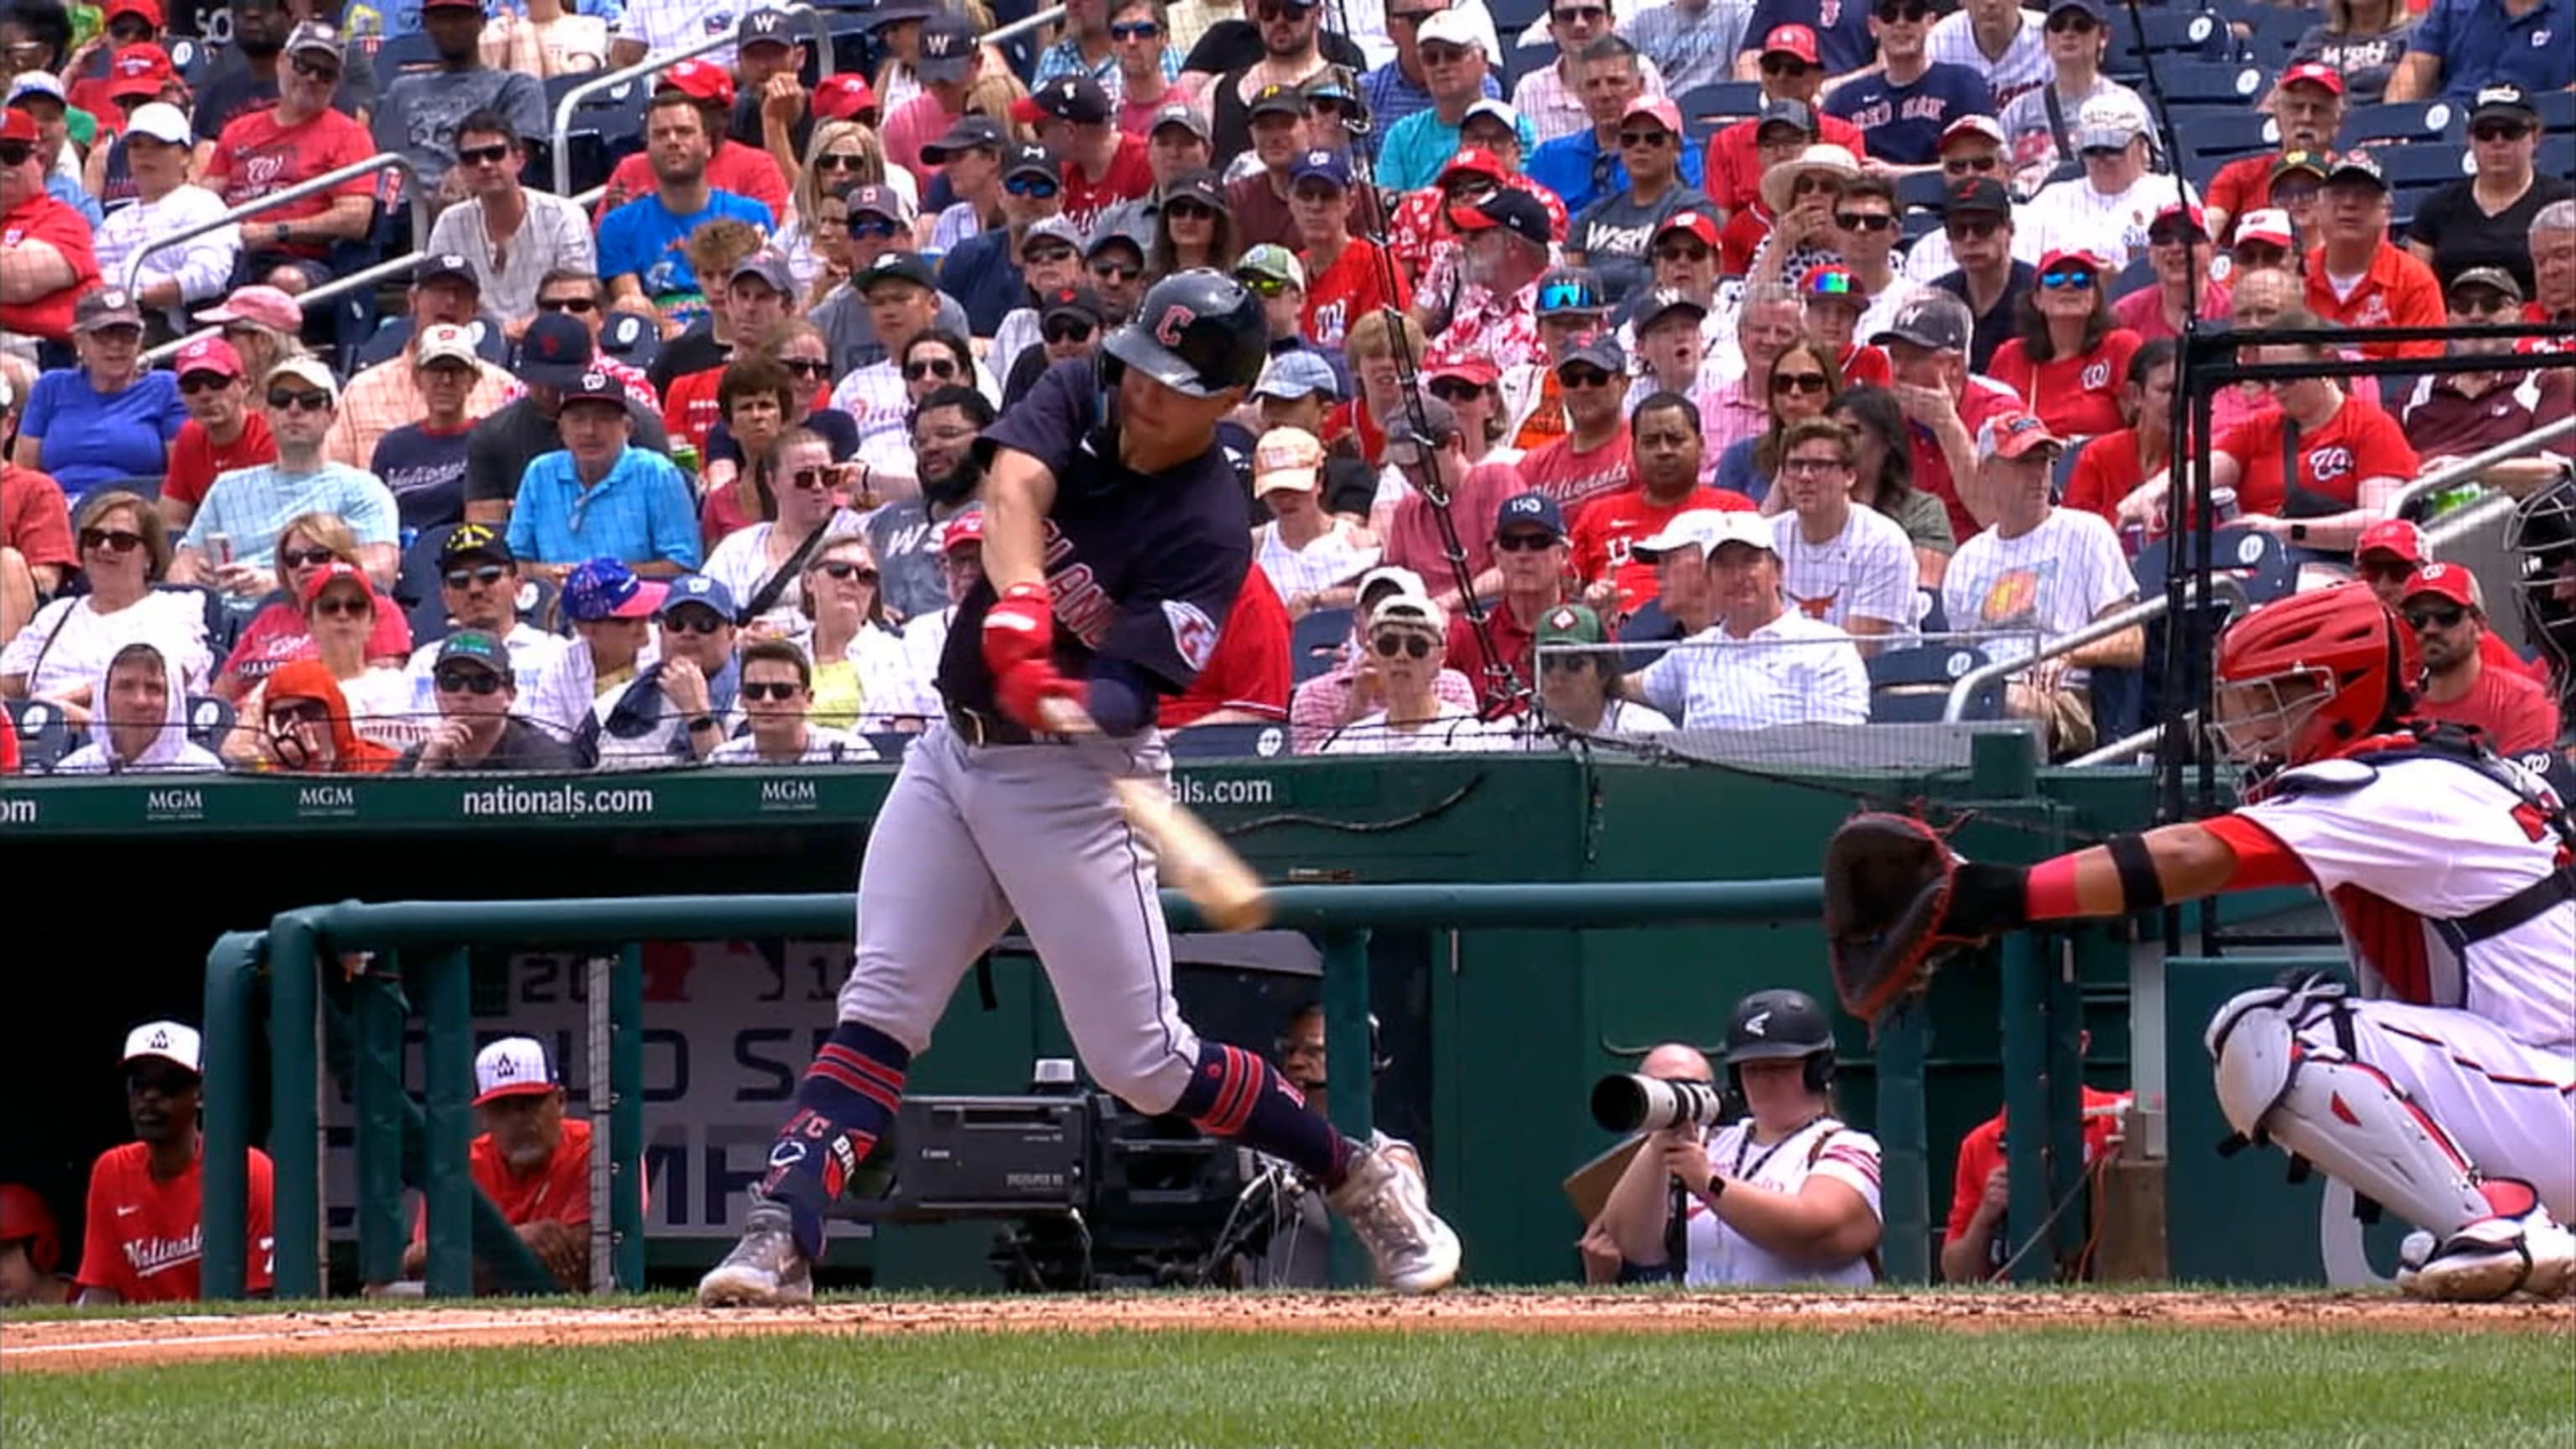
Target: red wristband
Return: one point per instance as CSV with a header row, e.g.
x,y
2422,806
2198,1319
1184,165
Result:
x,y
2052,889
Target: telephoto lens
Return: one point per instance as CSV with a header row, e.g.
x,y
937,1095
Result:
x,y
1625,1103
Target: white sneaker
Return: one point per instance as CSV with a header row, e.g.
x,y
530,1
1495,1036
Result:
x,y
765,1270
1390,1212
2495,1259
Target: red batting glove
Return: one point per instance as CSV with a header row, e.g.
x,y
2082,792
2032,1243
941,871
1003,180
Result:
x,y
1019,630
1024,691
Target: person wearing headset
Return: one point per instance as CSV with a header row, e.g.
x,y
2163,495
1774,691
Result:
x,y
1787,1194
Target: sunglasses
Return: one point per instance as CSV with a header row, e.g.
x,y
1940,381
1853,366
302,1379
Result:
x,y
1810,467
16,153
1265,286
1285,10
838,161
289,400
2481,304
1809,185
1567,297
1443,54
1972,230
343,606
1456,392
1047,256
2172,236
1963,165
2435,618
1411,17
2067,279
844,570
130,30
1391,643
204,382
696,621
1788,65
1806,382
806,366
1116,272
1583,378
492,155
1682,252
873,228
939,367
1524,542
1035,187
1135,30
1652,140
486,575
305,558
1189,211
781,691
1068,330
285,717
1576,14
817,480
1563,663
1864,221
1903,14
466,681
2071,22
2498,131
113,540
579,306
313,72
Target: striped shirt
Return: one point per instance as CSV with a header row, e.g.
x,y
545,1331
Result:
x,y
2024,65
1065,58
253,505
1329,561
387,396
1550,107
1791,671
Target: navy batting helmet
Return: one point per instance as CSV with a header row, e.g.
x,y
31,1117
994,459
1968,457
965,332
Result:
x,y
1778,1025
1198,332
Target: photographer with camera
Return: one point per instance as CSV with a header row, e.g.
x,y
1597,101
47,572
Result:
x,y
1787,1194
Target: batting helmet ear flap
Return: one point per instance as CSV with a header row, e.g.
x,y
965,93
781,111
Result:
x,y
1820,1073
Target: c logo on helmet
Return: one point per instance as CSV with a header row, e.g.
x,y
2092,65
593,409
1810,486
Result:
x,y
1176,320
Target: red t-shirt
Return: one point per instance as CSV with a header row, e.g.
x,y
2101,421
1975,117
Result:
x,y
1517,642
1351,288
743,170
558,1194
1610,525
1982,1151
690,410
34,520
1863,363
2242,185
2514,709
2079,396
2356,443
1735,159
1932,470
1351,420
1413,534
276,635
257,155
195,460
144,1239
2107,471
1741,238
1573,478
41,218
1250,669
1129,177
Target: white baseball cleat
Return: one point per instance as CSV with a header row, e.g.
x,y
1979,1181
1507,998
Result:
x,y
765,1270
1390,1212
2495,1259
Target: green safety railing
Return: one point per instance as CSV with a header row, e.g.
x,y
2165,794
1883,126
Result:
x,y
424,944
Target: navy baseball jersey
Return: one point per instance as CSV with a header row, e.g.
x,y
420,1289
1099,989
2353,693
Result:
x,y
1143,568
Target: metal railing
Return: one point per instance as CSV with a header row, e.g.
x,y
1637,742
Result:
x,y
2466,468
642,70
312,186
2144,612
1022,26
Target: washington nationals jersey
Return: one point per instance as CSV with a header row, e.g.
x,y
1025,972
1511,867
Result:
x,y
1823,1148
2401,847
2358,442
1143,568
144,1239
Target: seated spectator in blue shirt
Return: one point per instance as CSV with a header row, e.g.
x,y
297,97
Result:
x,y
1456,75
2463,46
600,498
1585,167
107,418
40,94
640,242
1399,88
983,273
232,541
1903,109
675,711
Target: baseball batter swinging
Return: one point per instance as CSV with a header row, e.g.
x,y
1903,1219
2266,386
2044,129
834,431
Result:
x,y
1115,539
2446,1091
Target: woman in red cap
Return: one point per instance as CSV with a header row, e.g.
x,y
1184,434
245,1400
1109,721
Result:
x,y
341,607
2069,361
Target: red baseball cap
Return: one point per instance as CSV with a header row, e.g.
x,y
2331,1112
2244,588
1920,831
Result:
x,y
1797,40
2315,75
18,124
2012,434
2393,536
208,354
1474,161
337,572
699,81
2449,581
2064,255
1477,371
147,9
965,528
1697,223
138,70
2188,210
844,97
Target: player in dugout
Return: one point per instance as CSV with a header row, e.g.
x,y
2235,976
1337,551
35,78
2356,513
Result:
x,y
529,1159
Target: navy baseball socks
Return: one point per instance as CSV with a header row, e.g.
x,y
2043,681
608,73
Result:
x,y
1234,1093
844,1105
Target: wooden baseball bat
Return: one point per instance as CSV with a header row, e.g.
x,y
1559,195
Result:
x,y
1191,858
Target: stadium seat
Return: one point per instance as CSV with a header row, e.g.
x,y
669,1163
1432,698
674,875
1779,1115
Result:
x,y
1726,101
2226,135
44,734
383,345
1513,16
630,339
2137,276
402,53
1912,686
2258,561
1520,60
142,485
1315,641
2426,163
417,582
209,720
2179,33
605,127
1931,616
2557,154
536,604
1922,191
2557,112
2064,468
2277,30
2403,121
1228,742
2210,82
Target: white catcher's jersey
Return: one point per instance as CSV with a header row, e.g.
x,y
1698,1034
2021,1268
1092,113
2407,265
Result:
x,y
2403,845
1717,1254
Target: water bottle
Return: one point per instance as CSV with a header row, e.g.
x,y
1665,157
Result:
x,y
2222,507
684,456
2452,499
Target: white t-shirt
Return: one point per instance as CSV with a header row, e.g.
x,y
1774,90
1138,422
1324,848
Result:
x,y
382,707
1864,572
741,563
1793,670
823,746
2072,216
1718,1255
1620,719
915,689
1452,729
2053,580
1333,558
533,654
82,640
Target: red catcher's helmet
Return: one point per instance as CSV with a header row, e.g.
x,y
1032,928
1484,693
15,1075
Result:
x,y
2301,678
24,1215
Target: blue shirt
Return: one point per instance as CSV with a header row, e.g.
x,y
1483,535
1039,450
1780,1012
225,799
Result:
x,y
92,438
639,513
71,193
982,278
1902,125
1391,98
1844,46
1418,146
2480,45
252,506
1581,173
642,239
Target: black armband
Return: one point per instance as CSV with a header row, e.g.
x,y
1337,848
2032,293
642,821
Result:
x,y
2141,888
1988,899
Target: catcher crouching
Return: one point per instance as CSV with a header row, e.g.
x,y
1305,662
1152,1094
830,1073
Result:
x,y
2445,1089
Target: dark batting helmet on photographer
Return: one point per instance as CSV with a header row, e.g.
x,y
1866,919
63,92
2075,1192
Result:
x,y
1197,332
1780,1025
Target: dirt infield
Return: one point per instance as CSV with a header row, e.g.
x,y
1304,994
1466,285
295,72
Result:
x,y
96,1343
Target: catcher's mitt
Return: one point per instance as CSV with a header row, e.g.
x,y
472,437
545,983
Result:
x,y
1889,882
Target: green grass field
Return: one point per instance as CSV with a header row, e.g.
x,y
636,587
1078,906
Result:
x,y
2244,1389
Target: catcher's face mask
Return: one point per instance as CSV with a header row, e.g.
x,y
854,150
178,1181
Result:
x,y
2260,721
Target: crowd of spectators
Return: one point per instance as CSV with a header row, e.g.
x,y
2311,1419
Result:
x,y
1779,338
